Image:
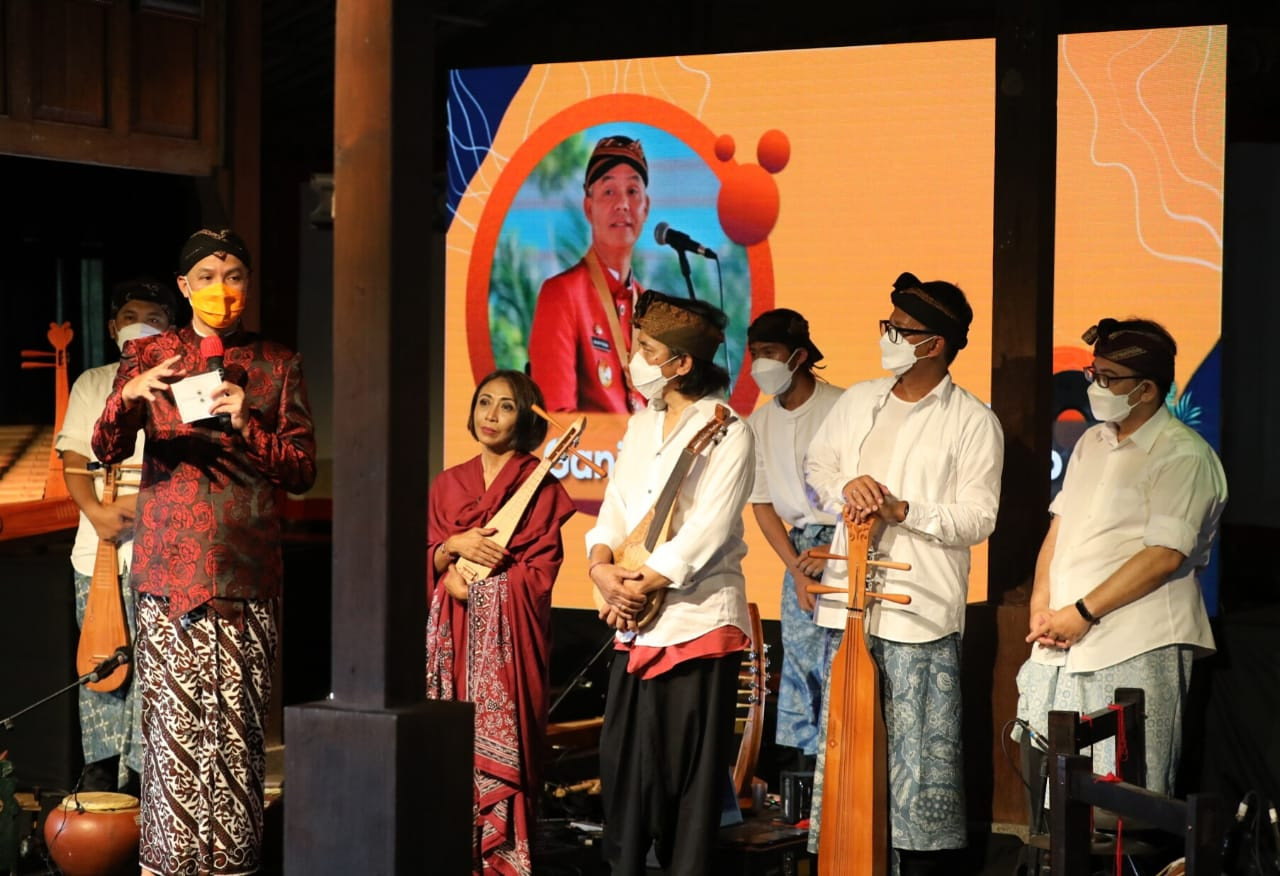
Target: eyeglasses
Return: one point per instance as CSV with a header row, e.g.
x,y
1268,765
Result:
x,y
897,332
1093,375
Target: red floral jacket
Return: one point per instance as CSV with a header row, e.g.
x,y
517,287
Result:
x,y
209,507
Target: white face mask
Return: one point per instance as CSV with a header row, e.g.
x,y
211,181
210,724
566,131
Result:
x,y
133,331
773,377
1108,407
647,379
899,357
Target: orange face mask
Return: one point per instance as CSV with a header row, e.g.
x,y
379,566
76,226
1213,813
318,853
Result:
x,y
218,306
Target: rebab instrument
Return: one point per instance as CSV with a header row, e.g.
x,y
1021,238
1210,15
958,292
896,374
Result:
x,y
104,629
655,528
509,515
854,834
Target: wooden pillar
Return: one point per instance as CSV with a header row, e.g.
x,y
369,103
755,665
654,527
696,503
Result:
x,y
243,155
376,779
1022,337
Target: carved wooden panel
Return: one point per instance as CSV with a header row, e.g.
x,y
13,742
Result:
x,y
165,104
118,82
69,71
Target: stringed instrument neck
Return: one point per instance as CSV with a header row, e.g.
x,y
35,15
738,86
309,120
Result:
x,y
507,518
106,563
511,512
655,527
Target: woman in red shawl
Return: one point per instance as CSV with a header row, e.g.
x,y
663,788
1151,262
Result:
x,y
490,642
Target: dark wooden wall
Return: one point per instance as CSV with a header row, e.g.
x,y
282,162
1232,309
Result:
x,y
112,82
168,86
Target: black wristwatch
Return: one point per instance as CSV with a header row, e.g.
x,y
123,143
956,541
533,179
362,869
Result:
x,y
1084,612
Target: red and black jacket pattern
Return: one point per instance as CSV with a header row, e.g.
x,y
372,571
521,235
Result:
x,y
210,503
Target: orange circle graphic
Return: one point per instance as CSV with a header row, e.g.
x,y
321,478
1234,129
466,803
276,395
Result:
x,y
569,121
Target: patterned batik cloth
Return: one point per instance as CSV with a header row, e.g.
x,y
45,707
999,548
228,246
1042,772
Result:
x,y
111,721
807,650
920,693
501,842
1163,674
205,685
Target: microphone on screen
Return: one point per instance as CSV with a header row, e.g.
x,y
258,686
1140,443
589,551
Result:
x,y
665,235
211,352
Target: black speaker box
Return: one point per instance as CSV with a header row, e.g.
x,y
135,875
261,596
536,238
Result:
x,y
37,658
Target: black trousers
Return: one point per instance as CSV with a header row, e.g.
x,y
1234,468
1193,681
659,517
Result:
x,y
666,749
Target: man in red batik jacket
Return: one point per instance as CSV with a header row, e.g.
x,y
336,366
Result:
x,y
580,341
207,561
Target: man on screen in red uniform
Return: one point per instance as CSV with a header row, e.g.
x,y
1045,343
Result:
x,y
580,341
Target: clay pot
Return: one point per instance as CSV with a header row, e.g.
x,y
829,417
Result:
x,y
94,833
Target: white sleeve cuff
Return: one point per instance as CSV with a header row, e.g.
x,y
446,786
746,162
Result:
x,y
74,444
1170,532
664,561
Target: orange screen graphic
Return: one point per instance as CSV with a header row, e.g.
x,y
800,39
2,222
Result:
x,y
1141,141
817,176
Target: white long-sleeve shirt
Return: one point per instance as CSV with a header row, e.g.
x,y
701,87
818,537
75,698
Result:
x,y
946,463
1163,486
703,556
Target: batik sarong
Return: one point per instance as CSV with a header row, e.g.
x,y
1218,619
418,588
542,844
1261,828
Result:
x,y
1164,676
807,650
920,696
205,684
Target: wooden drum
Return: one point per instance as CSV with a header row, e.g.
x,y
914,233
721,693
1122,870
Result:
x,y
94,833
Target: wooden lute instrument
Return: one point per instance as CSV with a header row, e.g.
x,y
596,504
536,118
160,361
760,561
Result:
x,y
854,837
655,527
508,517
753,688
104,628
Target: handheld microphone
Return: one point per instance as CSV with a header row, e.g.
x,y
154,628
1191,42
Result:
x,y
678,240
1036,739
211,352
121,656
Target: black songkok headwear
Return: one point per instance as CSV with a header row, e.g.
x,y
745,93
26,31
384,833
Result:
x,y
612,151
144,290
676,323
205,243
786,327
938,306
1139,344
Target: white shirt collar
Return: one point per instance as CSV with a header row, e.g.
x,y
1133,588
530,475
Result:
x,y
1144,437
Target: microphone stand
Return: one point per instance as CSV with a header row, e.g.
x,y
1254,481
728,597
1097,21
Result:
x,y
581,674
99,672
32,846
684,269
